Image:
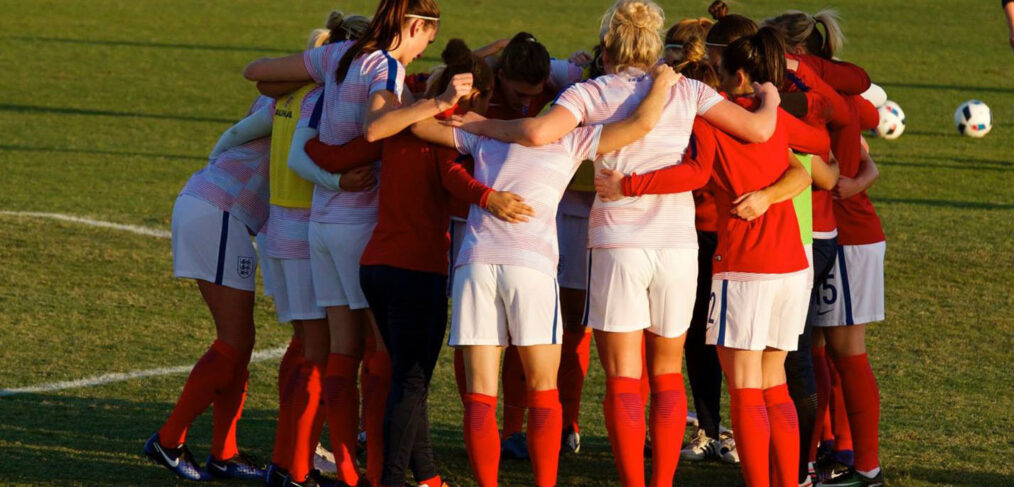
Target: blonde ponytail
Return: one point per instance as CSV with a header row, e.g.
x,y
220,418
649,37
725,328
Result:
x,y
799,30
631,33
318,37
834,37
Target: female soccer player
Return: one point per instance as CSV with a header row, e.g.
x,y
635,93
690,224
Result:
x,y
405,263
644,250
853,291
505,290
363,84
215,214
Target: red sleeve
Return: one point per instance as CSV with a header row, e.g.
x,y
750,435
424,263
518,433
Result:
x,y
341,158
691,174
820,94
805,138
844,77
456,180
869,117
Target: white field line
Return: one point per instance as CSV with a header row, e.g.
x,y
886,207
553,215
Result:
x,y
259,356
151,232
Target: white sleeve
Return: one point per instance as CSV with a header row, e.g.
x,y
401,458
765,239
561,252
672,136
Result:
x,y
706,97
563,73
254,126
301,164
573,100
465,141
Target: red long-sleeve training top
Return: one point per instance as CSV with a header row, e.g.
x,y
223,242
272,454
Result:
x,y
418,181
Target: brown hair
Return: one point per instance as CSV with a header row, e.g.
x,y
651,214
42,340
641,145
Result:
x,y
728,27
686,29
760,56
631,33
458,58
384,31
694,63
524,59
800,29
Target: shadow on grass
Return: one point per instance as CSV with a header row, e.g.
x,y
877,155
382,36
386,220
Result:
x,y
957,163
34,109
156,45
960,478
935,87
961,205
64,150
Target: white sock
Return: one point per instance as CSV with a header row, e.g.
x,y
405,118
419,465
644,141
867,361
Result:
x,y
869,474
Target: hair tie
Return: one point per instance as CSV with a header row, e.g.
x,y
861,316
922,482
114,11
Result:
x,y
674,46
423,17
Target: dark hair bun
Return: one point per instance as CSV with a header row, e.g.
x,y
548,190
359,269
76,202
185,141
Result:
x,y
718,9
334,20
456,53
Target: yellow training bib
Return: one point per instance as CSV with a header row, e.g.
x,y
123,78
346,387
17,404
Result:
x,y
288,189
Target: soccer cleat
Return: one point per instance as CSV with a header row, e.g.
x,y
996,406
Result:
x,y
571,441
178,460
692,419
275,476
829,469
855,479
314,479
323,460
727,448
237,467
514,447
701,447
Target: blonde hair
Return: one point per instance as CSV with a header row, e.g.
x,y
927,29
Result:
x,y
631,33
680,35
800,29
337,28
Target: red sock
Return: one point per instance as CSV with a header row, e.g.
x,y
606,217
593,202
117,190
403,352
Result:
x,y
212,373
752,433
316,431
822,430
482,440
514,387
430,482
645,377
375,390
459,373
545,424
862,399
227,409
341,397
624,414
573,368
668,423
784,436
839,414
288,372
305,403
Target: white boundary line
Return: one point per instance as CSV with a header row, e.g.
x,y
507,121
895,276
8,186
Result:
x,y
259,356
151,232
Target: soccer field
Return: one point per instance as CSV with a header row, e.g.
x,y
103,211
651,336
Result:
x,y
108,106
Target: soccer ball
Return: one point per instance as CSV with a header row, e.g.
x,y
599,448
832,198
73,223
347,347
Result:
x,y
892,121
875,95
973,119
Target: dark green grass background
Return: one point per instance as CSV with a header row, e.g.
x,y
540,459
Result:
x,y
106,107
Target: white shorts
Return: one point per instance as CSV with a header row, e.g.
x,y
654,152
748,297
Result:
x,y
335,250
211,245
456,230
505,305
755,315
636,289
572,232
853,292
265,278
292,289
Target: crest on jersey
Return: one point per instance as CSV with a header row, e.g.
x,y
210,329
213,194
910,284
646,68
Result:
x,y
245,267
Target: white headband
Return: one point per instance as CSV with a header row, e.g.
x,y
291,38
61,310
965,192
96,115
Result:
x,y
423,17
674,46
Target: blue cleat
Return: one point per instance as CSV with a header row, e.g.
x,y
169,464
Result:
x,y
237,467
275,476
514,447
178,460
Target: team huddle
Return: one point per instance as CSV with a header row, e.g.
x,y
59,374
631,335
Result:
x,y
697,193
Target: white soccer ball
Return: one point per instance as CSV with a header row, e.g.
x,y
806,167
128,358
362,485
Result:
x,y
973,119
875,95
892,121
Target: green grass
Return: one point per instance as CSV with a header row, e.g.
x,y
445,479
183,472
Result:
x,y
106,107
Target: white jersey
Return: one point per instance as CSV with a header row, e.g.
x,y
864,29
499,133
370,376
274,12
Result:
x,y
539,175
650,221
344,119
